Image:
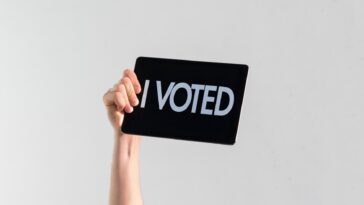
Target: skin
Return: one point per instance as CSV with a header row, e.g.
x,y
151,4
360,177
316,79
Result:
x,y
125,180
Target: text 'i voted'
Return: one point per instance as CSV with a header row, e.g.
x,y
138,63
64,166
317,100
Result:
x,y
211,94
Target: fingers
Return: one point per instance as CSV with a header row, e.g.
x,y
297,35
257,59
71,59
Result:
x,y
121,99
123,95
134,80
130,91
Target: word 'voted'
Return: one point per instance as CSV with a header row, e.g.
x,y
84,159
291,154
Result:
x,y
192,91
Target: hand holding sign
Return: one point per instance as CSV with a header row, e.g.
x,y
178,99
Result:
x,y
121,98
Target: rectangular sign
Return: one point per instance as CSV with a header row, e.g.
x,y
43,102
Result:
x,y
187,100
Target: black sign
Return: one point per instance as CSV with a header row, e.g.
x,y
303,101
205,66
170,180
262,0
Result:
x,y
188,100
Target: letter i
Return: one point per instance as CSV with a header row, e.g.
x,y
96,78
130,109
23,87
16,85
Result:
x,y
145,91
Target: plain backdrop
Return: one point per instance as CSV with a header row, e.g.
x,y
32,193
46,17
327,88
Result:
x,y
300,138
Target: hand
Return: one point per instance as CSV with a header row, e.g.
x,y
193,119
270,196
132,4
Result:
x,y
122,98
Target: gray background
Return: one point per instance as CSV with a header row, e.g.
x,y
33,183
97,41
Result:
x,y
300,137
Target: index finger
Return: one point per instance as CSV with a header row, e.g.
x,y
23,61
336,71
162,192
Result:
x,y
134,80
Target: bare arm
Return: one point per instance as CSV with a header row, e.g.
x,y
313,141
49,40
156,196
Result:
x,y
125,183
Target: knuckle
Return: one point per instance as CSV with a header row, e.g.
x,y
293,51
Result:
x,y
122,104
104,95
106,98
119,87
118,95
128,85
126,71
119,99
125,81
123,89
122,80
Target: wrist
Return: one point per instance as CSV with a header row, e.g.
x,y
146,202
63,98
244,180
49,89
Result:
x,y
117,133
126,145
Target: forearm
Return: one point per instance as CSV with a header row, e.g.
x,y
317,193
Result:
x,y
125,184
